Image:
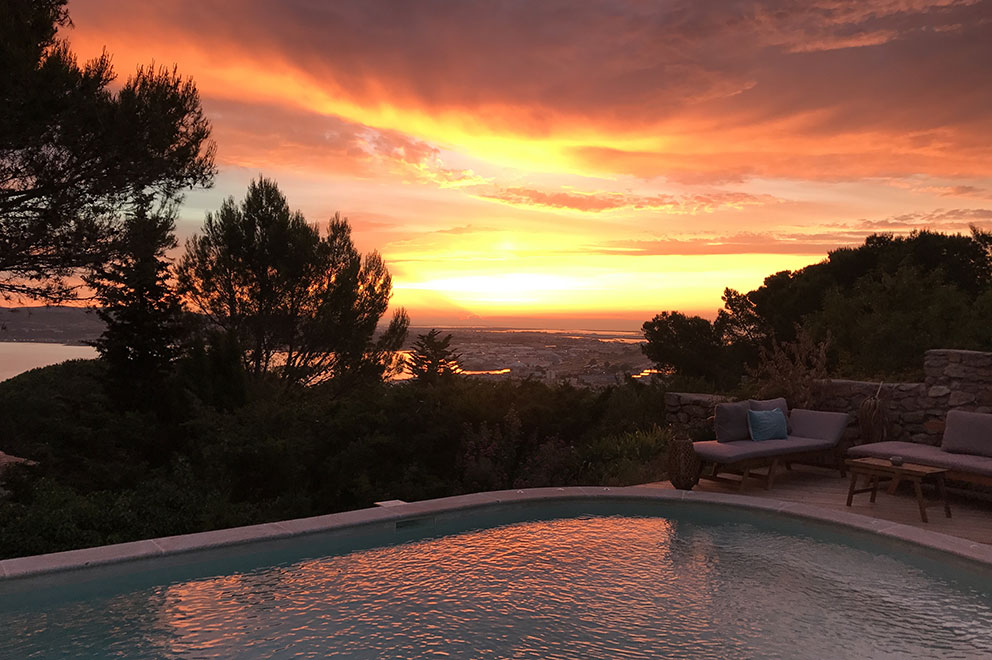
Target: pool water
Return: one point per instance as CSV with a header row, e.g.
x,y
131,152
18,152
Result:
x,y
528,584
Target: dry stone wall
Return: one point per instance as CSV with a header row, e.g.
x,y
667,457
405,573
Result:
x,y
906,406
690,409
953,379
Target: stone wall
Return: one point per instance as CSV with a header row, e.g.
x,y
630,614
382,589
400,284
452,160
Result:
x,y
687,409
906,406
953,380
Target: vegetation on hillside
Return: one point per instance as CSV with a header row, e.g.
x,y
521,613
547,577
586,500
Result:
x,y
216,452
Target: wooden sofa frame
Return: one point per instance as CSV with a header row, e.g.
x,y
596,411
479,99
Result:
x,y
744,467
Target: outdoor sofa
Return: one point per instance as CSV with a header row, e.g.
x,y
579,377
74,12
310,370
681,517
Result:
x,y
813,436
965,450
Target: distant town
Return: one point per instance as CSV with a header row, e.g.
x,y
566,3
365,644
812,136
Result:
x,y
590,358
585,357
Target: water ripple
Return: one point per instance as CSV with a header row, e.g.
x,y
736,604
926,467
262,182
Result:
x,y
589,588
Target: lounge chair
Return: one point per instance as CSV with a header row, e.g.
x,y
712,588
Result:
x,y
965,450
813,437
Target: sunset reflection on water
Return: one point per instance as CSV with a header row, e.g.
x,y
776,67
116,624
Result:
x,y
586,587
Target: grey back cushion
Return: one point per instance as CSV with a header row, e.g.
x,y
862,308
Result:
x,y
819,424
730,422
771,404
968,433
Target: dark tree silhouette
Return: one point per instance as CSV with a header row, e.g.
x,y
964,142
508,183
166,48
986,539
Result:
x,y
301,305
141,310
687,345
884,303
432,358
76,158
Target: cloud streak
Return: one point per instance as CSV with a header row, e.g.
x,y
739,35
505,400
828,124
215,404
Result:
x,y
596,202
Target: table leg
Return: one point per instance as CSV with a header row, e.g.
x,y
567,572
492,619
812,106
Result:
x,y
874,487
850,491
919,499
942,492
896,480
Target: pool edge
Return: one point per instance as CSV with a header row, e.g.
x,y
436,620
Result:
x,y
71,560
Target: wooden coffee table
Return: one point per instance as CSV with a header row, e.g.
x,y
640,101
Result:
x,y
879,469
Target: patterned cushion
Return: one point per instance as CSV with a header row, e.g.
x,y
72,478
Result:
x,y
771,404
767,425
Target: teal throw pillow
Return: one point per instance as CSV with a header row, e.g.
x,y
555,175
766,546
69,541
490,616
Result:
x,y
767,424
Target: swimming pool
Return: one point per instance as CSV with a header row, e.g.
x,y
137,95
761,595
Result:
x,y
567,578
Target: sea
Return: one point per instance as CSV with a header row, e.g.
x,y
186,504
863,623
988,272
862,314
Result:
x,y
16,357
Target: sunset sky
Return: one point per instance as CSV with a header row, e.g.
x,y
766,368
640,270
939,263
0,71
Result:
x,y
593,160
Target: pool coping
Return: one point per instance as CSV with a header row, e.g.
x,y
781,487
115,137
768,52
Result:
x,y
72,560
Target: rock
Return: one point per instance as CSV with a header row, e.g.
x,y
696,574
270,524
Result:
x,y
695,411
960,398
938,391
957,371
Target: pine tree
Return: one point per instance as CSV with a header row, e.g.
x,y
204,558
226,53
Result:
x,y
432,358
78,152
304,305
141,310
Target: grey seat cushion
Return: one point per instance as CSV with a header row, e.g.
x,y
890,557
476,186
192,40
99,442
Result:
x,y
913,452
730,421
968,433
819,424
730,452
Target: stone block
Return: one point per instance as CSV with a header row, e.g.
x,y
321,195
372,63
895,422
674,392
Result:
x,y
938,391
957,371
960,398
979,361
696,411
909,404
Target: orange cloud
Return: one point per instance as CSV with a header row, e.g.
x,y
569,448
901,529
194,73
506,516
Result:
x,y
676,72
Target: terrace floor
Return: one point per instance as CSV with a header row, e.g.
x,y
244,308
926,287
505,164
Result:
x,y
972,516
